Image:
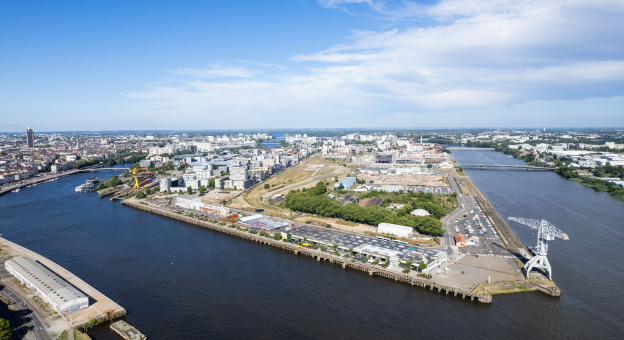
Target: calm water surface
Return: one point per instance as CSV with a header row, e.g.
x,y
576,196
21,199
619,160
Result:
x,y
183,282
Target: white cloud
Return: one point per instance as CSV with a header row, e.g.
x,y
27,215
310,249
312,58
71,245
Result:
x,y
215,70
483,54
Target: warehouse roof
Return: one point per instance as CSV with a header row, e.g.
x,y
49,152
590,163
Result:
x,y
45,280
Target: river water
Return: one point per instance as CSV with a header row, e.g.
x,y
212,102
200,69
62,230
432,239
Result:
x,y
183,282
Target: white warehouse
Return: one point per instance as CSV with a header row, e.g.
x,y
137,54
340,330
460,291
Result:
x,y
395,229
51,288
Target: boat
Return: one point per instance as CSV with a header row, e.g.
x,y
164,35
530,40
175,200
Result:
x,y
15,190
82,188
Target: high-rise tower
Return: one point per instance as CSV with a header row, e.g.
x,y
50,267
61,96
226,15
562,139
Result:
x,y
30,138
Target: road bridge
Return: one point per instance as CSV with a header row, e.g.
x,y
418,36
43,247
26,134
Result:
x,y
484,166
96,169
488,149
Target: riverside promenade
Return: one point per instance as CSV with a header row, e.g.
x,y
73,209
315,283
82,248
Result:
x,y
100,309
478,293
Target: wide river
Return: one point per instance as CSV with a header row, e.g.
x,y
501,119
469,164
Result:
x,y
183,282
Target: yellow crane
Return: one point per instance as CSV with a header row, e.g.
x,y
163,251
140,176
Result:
x,y
135,174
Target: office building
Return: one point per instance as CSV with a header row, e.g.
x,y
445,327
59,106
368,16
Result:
x,y
30,138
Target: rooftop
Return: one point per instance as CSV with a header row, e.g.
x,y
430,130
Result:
x,y
55,287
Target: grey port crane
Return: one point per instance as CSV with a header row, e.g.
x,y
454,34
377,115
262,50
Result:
x,y
545,232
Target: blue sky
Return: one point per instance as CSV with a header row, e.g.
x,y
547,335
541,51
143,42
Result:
x,y
74,65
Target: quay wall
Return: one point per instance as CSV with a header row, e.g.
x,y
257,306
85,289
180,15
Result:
x,y
480,295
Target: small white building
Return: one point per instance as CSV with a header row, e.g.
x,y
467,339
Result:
x,y
187,201
51,288
395,229
420,212
251,218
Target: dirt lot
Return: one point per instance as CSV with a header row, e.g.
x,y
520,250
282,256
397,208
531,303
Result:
x,y
334,223
426,180
476,270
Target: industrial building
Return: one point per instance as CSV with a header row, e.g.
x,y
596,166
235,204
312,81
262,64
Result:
x,y
385,157
51,288
374,248
260,222
395,229
346,183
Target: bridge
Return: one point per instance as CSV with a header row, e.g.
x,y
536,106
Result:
x,y
527,167
97,169
471,149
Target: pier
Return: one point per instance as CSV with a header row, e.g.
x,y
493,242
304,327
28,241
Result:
x,y
100,309
480,295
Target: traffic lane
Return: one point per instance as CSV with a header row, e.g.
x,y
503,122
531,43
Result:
x,y
19,330
33,322
28,312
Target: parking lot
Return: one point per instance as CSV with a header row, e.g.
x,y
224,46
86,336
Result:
x,y
480,236
378,247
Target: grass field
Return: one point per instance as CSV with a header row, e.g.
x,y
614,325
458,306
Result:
x,y
297,177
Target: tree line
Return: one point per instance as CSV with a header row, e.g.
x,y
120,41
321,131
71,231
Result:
x,y
315,201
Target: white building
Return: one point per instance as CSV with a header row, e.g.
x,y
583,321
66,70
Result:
x,y
187,201
51,288
395,229
419,212
238,174
251,218
165,184
203,173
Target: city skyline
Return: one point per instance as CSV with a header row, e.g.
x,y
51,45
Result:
x,y
319,64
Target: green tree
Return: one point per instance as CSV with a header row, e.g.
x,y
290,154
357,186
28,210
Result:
x,y
6,330
341,187
201,190
277,236
267,186
113,181
101,186
422,266
140,194
189,190
364,259
429,166
211,183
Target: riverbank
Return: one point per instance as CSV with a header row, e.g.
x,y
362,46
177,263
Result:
x,y
35,181
569,173
479,294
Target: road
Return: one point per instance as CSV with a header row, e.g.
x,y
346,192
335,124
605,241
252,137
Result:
x,y
31,315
